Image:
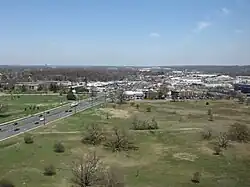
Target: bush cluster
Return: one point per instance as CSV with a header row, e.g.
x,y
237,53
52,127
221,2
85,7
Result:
x,y
59,147
144,125
49,170
28,139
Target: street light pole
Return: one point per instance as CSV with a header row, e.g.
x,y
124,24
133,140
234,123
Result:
x,y
105,97
44,118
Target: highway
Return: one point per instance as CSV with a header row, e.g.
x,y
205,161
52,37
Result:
x,y
23,125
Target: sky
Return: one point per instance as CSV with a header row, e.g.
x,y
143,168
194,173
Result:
x,y
125,32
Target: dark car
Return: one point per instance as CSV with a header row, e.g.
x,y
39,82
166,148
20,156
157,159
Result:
x,y
16,129
70,110
66,110
15,123
48,112
40,115
0,129
37,122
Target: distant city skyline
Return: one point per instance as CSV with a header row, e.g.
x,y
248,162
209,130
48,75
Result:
x,y
131,33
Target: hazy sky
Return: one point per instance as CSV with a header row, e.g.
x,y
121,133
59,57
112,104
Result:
x,y
125,32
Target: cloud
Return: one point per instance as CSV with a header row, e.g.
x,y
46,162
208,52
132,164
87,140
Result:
x,y
225,11
202,25
238,31
154,35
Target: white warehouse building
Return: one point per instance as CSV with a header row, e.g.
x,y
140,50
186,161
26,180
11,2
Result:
x,y
131,95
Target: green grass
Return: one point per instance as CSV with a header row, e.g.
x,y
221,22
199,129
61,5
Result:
x,y
16,106
168,157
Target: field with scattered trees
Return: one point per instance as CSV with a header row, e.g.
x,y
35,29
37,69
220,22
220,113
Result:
x,y
158,144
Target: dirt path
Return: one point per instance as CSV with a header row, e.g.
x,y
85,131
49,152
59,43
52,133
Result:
x,y
160,130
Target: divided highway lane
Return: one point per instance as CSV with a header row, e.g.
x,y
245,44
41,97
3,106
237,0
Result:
x,y
24,125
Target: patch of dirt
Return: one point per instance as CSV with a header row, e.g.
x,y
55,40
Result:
x,y
116,113
185,156
187,129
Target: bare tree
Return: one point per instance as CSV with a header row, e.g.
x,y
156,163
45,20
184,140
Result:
x,y
86,171
90,171
223,140
119,140
93,134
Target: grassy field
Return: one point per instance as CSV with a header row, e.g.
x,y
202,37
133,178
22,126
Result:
x,y
167,157
16,105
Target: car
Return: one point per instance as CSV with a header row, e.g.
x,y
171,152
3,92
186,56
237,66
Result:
x,y
16,129
0,129
74,104
48,112
70,110
40,115
66,110
36,122
42,119
15,123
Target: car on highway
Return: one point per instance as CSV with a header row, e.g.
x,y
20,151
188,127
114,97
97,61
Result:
x,y
66,110
0,129
48,112
74,104
70,110
16,129
40,115
42,119
15,123
37,122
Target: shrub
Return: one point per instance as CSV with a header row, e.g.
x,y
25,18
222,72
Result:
x,y
239,132
132,104
28,139
196,177
153,124
49,170
59,147
71,96
207,134
107,115
217,150
211,117
144,125
148,109
223,140
210,114
209,111
137,106
93,134
6,183
114,105
207,103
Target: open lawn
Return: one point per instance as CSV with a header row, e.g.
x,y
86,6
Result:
x,y
33,103
167,156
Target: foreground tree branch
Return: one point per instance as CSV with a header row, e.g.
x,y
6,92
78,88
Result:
x,y
90,171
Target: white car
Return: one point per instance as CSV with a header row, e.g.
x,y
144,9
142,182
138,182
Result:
x,y
41,119
74,104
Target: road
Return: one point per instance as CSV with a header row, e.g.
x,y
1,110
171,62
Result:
x,y
29,123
